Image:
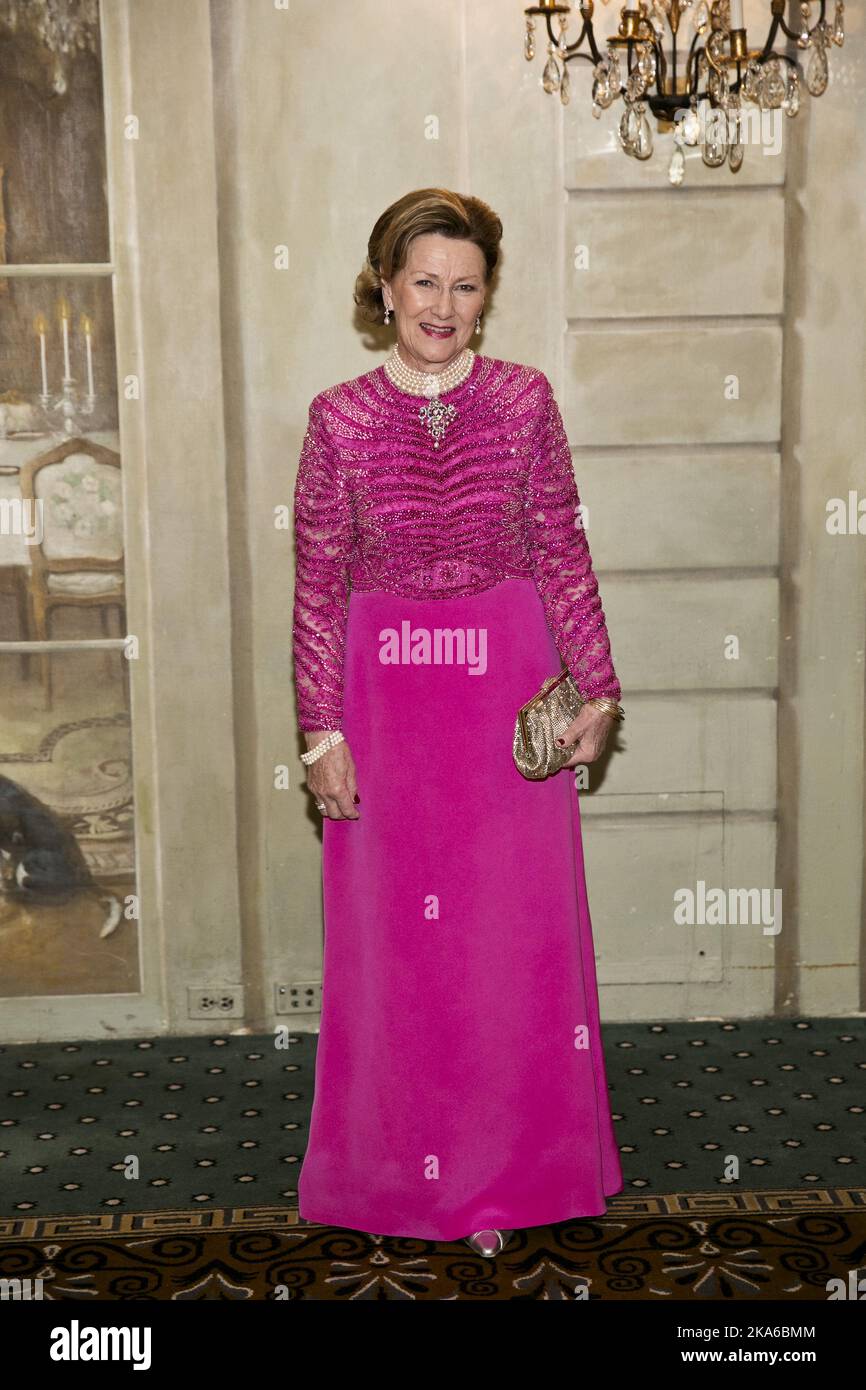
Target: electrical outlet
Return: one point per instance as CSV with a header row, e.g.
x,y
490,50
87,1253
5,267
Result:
x,y
299,997
216,1001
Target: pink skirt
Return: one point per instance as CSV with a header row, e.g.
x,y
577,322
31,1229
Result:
x,y
460,1079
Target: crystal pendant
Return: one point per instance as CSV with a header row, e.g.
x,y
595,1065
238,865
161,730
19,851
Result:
x,y
702,17
791,104
629,129
677,170
565,86
839,24
713,153
714,150
550,76
806,16
643,147
774,88
818,71
624,137
717,82
691,127
636,85
752,81
646,61
736,149
614,72
717,45
529,42
606,93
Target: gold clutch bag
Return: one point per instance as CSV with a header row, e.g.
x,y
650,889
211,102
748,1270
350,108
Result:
x,y
541,721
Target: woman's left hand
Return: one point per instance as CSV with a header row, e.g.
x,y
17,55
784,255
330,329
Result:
x,y
589,733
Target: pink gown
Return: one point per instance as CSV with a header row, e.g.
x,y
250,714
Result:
x,y
460,1078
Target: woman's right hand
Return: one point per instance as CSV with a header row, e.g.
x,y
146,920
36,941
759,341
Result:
x,y
332,779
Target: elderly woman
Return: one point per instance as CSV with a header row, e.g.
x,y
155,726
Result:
x,y
442,576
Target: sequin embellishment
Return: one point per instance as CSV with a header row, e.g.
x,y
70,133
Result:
x,y
377,509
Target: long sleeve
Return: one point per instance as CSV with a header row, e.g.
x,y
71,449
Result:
x,y
324,538
561,561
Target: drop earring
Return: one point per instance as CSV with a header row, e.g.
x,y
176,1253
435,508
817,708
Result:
x,y
477,323
387,314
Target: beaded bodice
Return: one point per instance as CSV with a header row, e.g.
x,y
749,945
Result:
x,y
378,507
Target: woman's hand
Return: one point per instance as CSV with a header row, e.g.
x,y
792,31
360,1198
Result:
x,y
589,732
332,780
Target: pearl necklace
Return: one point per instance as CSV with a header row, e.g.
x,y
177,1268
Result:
x,y
436,416
428,383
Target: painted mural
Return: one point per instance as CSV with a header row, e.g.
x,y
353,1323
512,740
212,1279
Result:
x,y
68,907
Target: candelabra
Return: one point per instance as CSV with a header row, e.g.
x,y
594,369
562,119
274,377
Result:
x,y
737,80
70,403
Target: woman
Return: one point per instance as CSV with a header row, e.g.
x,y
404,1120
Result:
x,y
460,1083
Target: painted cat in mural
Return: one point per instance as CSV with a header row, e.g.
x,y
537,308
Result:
x,y
40,859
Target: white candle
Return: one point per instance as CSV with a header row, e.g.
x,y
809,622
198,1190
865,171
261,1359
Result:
x,y
737,14
40,329
64,315
88,329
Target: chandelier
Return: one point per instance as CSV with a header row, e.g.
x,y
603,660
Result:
x,y
62,27
710,87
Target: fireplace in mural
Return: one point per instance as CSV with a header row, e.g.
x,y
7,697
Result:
x,y
68,904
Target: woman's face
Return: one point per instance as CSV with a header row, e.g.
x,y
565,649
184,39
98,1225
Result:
x,y
435,299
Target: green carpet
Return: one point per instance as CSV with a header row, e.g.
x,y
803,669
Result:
x,y
222,1122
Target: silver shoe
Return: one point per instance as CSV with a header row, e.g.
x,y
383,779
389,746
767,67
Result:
x,y
489,1242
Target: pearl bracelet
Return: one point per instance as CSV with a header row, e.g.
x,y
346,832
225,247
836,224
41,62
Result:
x,y
334,737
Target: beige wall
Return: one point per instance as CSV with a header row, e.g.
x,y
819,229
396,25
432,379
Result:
x,y
693,520
268,127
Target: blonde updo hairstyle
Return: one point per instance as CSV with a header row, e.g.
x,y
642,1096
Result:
x,y
416,214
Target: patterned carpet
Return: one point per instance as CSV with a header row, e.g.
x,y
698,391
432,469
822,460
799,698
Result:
x,y
219,1127
695,1248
